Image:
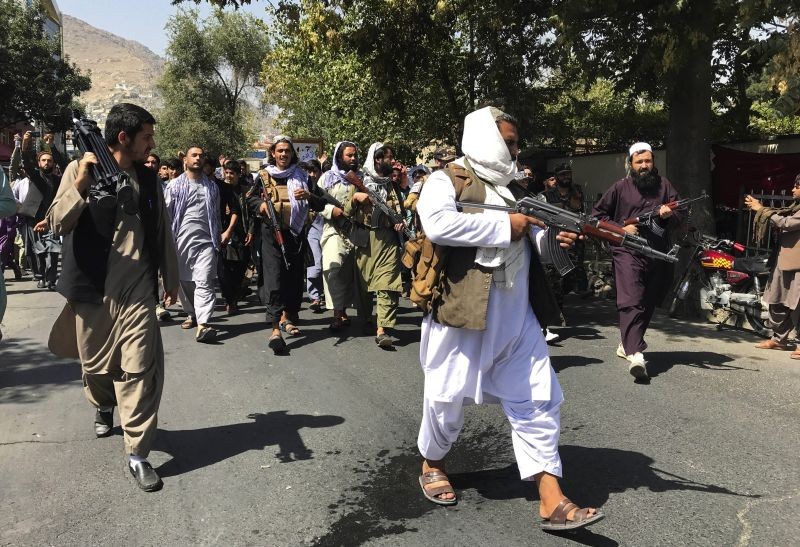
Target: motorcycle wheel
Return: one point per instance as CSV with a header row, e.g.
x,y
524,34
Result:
x,y
758,325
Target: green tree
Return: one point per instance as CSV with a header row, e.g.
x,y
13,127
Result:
x,y
36,83
209,79
666,49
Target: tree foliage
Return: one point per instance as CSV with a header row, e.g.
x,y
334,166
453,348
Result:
x,y
580,74
36,82
212,68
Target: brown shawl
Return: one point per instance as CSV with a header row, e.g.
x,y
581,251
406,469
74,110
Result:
x,y
761,221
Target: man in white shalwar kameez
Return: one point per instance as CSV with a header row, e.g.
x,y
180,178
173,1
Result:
x,y
506,359
193,203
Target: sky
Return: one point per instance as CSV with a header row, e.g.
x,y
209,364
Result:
x,y
140,20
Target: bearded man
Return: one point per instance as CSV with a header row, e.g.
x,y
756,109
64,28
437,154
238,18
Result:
x,y
43,182
482,341
379,261
109,321
340,276
284,185
568,196
642,282
193,202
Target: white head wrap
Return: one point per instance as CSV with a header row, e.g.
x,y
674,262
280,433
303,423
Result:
x,y
485,148
369,163
638,147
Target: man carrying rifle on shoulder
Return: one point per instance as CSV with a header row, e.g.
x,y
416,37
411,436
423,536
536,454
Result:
x,y
111,258
641,281
379,262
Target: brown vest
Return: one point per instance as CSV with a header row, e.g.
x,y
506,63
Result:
x,y
462,298
279,194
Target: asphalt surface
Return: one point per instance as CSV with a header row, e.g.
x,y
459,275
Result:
x,y
318,447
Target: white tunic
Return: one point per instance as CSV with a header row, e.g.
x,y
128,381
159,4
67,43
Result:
x,y
509,360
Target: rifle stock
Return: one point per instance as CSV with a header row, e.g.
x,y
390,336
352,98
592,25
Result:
x,y
558,219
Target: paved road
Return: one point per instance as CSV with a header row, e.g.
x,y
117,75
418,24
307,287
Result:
x,y
318,448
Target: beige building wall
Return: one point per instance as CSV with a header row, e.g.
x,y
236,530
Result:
x,y
597,172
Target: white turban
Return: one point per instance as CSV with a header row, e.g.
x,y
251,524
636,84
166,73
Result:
x,y
369,163
638,147
485,148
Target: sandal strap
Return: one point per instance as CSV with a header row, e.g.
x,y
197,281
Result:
x,y
580,515
434,476
431,477
559,514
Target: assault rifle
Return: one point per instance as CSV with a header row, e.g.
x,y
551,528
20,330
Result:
x,y
645,218
111,185
276,225
558,219
376,200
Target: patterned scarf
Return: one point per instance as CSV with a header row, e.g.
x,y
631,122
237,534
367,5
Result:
x,y
296,179
178,201
336,173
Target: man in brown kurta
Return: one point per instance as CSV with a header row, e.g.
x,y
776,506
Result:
x,y
116,336
782,294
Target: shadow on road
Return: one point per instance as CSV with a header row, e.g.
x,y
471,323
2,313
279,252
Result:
x,y
197,448
661,361
28,370
386,499
560,362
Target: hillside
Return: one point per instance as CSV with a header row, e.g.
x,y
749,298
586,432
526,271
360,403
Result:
x,y
121,70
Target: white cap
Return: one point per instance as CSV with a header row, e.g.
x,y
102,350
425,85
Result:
x,y
639,147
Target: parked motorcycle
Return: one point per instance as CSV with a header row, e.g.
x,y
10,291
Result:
x,y
726,287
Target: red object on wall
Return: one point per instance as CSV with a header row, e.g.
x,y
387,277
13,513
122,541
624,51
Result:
x,y
735,168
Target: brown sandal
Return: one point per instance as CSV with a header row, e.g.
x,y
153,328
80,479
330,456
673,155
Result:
x,y
289,328
188,324
433,476
558,518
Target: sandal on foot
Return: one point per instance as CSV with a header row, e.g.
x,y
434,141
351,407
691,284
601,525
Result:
x,y
206,334
289,328
276,344
188,324
795,355
336,324
384,341
557,520
433,476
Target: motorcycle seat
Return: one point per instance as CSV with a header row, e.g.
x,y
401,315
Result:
x,y
751,264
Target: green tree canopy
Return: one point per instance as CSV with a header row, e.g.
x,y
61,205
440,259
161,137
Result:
x,y
212,66
36,83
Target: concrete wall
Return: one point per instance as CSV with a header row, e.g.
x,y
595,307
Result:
x,y
597,172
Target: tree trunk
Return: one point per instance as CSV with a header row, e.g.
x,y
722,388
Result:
x,y
689,139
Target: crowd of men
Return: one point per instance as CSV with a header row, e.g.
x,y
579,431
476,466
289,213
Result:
x,y
334,230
